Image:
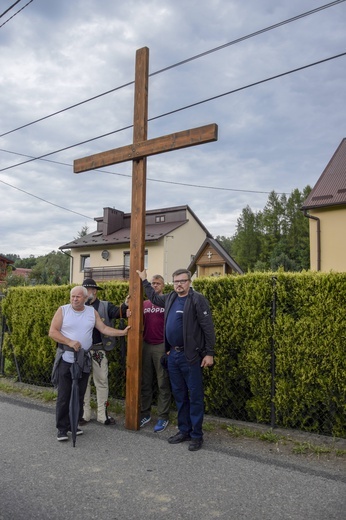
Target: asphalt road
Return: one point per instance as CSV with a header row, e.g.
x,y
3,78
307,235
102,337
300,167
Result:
x,y
114,474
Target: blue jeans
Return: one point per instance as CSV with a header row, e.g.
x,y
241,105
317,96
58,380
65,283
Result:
x,y
187,388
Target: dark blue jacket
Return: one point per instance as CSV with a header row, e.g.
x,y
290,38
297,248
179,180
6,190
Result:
x,y
198,328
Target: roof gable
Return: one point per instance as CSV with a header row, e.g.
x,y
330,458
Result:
x,y
6,260
330,189
220,250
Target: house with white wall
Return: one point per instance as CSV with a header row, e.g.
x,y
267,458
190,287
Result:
x,y
173,236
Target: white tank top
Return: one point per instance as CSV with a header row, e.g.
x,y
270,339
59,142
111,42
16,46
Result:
x,y
77,325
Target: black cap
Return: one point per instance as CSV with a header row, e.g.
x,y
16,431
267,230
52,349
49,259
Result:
x,y
89,282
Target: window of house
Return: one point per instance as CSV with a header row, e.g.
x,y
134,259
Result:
x,y
127,259
159,218
84,262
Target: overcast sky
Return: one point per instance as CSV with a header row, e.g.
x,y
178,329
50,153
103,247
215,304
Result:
x,y
277,135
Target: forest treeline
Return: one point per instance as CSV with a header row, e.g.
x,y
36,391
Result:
x,y
276,237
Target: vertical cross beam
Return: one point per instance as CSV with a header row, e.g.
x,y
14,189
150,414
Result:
x,y
137,243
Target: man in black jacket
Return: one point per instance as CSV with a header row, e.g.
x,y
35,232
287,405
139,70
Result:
x,y
189,341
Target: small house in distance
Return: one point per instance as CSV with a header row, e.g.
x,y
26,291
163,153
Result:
x,y
172,238
326,208
4,264
213,260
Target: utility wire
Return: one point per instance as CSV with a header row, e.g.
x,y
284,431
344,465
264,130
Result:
x,y
168,113
15,14
148,179
9,9
46,201
248,36
183,62
248,86
178,110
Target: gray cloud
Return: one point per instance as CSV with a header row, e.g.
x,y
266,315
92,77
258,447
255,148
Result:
x,y
277,136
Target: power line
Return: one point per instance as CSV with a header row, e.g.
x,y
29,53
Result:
x,y
178,110
148,179
248,86
15,14
9,9
183,62
43,157
251,35
44,200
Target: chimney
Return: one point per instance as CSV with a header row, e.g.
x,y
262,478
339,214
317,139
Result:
x,y
113,220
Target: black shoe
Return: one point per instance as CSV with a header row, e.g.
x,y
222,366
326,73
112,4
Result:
x,y
109,420
195,444
82,422
62,436
179,437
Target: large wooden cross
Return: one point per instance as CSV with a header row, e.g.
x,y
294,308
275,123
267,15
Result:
x,y
137,152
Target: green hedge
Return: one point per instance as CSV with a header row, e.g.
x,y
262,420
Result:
x,y
308,336
29,312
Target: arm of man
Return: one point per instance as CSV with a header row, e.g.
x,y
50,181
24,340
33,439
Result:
x,y
156,299
108,331
114,311
206,323
55,332
207,361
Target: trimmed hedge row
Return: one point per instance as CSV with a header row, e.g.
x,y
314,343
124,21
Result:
x,y
306,327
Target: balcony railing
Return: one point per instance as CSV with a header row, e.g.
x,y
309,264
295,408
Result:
x,y
107,274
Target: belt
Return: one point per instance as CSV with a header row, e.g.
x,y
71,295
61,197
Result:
x,y
178,349
97,346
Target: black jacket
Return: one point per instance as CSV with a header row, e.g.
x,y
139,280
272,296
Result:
x,y
198,328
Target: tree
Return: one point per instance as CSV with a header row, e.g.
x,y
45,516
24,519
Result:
x,y
14,280
225,242
83,232
276,237
246,243
51,269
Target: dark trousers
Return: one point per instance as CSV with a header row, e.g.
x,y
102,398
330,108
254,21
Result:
x,y
187,388
151,369
64,393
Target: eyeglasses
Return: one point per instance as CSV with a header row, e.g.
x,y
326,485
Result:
x,y
177,282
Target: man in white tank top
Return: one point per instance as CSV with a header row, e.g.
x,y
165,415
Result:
x,y
72,327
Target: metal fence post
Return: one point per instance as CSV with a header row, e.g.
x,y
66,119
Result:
x,y
272,392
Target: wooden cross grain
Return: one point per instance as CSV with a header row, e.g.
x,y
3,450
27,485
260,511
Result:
x,y
137,152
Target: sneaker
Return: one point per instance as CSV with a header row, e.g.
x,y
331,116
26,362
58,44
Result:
x,y
82,422
161,425
144,421
78,432
62,436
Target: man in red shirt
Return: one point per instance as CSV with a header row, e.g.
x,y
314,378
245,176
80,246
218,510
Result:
x,y
152,352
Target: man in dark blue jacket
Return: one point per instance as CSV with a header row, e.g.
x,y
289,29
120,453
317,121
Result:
x,y
189,340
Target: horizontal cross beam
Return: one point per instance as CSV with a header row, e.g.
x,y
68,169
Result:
x,y
133,152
